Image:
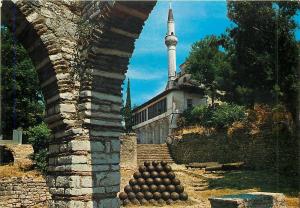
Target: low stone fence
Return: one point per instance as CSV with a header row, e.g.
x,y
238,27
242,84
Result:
x,y
128,154
257,153
23,192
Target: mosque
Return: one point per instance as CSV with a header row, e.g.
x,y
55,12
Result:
x,y
155,119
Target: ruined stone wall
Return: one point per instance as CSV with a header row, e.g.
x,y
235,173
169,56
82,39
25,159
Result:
x,y
23,192
257,153
128,152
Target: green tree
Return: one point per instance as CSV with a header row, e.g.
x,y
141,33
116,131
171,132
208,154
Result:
x,y
22,100
208,65
127,111
39,136
263,52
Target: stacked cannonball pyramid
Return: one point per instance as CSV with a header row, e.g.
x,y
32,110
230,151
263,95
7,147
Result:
x,y
155,183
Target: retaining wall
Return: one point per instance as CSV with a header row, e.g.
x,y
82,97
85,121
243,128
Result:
x,y
23,192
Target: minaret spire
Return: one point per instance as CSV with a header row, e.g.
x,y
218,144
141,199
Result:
x,y
171,42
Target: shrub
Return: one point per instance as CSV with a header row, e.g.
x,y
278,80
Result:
x,y
202,115
220,117
38,136
226,114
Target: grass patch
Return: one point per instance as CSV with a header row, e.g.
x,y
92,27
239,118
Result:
x,y
13,170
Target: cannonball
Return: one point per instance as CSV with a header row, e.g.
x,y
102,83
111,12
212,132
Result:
x,y
144,201
171,188
147,163
148,195
146,175
150,168
155,163
133,182
174,196
141,181
171,175
128,189
165,195
159,168
144,188
135,201
156,195
149,181
154,174
161,202
139,195
153,202
183,196
153,188
136,188
169,201
179,189
131,195
163,163
142,168
166,181
175,181
167,168
163,174
161,188
137,175
126,202
158,181
123,196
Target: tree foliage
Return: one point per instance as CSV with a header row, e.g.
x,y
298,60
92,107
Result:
x,y
209,65
39,136
258,60
263,51
22,100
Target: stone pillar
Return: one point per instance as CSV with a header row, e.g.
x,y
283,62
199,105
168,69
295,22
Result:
x,y
128,155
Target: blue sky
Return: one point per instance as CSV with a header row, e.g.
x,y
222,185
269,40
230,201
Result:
x,y
147,70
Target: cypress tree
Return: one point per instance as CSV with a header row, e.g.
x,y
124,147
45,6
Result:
x,y
127,110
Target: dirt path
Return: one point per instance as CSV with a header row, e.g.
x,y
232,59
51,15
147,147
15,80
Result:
x,y
196,184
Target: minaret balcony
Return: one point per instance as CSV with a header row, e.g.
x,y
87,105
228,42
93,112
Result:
x,y
171,40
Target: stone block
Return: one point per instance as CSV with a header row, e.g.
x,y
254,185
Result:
x,y
103,158
116,145
112,189
106,203
79,191
62,160
81,167
108,179
86,181
62,181
250,200
97,168
79,159
76,145
76,204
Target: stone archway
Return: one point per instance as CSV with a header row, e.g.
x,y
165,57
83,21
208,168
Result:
x,y
84,114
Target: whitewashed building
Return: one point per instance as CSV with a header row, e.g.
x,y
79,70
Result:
x,y
155,119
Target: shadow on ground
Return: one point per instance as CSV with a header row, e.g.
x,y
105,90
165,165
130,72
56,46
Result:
x,y
266,181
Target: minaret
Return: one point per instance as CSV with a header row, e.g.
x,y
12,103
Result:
x,y
171,42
